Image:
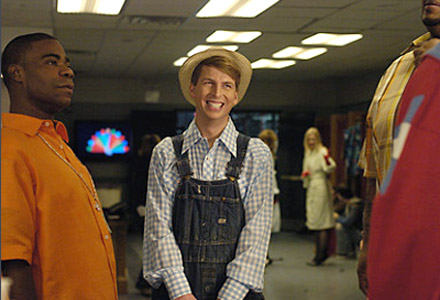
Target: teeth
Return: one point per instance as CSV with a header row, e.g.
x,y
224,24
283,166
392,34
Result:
x,y
215,105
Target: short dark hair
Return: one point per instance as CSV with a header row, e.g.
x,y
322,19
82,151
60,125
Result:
x,y
224,64
15,50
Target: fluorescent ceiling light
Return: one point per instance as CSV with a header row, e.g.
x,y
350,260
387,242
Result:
x,y
104,7
180,61
200,48
299,52
234,8
233,36
331,39
265,63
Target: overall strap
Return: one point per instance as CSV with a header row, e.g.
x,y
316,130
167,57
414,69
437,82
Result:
x,y
182,163
234,166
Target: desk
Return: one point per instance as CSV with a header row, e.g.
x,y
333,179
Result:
x,y
119,237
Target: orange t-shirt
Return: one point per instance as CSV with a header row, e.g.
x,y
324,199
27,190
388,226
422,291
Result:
x,y
49,216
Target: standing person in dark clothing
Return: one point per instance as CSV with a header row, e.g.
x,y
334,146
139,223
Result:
x,y
139,176
139,191
209,202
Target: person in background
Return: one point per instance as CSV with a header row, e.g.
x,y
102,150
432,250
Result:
x,y
405,237
270,138
210,198
348,222
139,177
376,152
55,242
317,164
139,180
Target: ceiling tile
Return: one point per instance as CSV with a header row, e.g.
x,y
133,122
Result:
x,y
317,3
80,39
163,7
408,21
85,21
119,50
22,13
301,12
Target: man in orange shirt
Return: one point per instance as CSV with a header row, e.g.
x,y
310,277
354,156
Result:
x,y
55,242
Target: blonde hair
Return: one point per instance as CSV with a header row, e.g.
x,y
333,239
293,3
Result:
x,y
270,138
312,131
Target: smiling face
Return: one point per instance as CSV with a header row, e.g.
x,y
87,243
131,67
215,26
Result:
x,y
311,141
431,12
215,94
46,77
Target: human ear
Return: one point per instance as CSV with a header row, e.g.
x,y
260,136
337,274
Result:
x,y
191,90
235,102
15,72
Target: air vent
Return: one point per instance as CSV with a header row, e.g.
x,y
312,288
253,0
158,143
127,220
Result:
x,y
156,20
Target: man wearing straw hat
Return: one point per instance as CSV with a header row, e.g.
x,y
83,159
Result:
x,y
209,199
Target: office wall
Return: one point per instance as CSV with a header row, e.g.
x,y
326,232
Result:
x,y
321,96
316,95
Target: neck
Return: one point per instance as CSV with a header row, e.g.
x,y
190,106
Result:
x,y
20,104
435,31
211,130
29,110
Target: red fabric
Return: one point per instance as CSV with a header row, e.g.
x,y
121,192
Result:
x,y
404,245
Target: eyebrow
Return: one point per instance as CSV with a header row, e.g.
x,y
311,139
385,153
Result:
x,y
55,56
223,82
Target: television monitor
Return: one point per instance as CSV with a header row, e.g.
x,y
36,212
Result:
x,y
103,139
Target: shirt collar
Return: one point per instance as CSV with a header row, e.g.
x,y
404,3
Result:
x,y
228,137
31,126
416,43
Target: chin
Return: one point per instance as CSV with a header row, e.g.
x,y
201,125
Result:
x,y
64,103
431,22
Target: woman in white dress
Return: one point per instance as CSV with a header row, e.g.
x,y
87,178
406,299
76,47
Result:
x,y
317,164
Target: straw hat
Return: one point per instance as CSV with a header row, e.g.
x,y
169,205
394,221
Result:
x,y
187,69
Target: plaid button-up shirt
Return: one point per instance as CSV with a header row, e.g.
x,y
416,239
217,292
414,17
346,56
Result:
x,y
162,257
376,152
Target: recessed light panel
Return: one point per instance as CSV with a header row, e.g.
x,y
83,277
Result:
x,y
299,52
234,8
180,61
222,36
331,39
200,48
104,7
265,63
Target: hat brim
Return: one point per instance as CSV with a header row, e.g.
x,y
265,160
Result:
x,y
187,69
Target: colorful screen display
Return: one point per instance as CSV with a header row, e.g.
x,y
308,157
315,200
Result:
x,y
108,141
103,139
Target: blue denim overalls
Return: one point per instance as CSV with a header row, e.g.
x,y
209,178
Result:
x,y
208,217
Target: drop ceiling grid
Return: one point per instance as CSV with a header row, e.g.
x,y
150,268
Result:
x,y
162,7
90,39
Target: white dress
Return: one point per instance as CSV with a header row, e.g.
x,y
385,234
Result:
x,y
319,206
